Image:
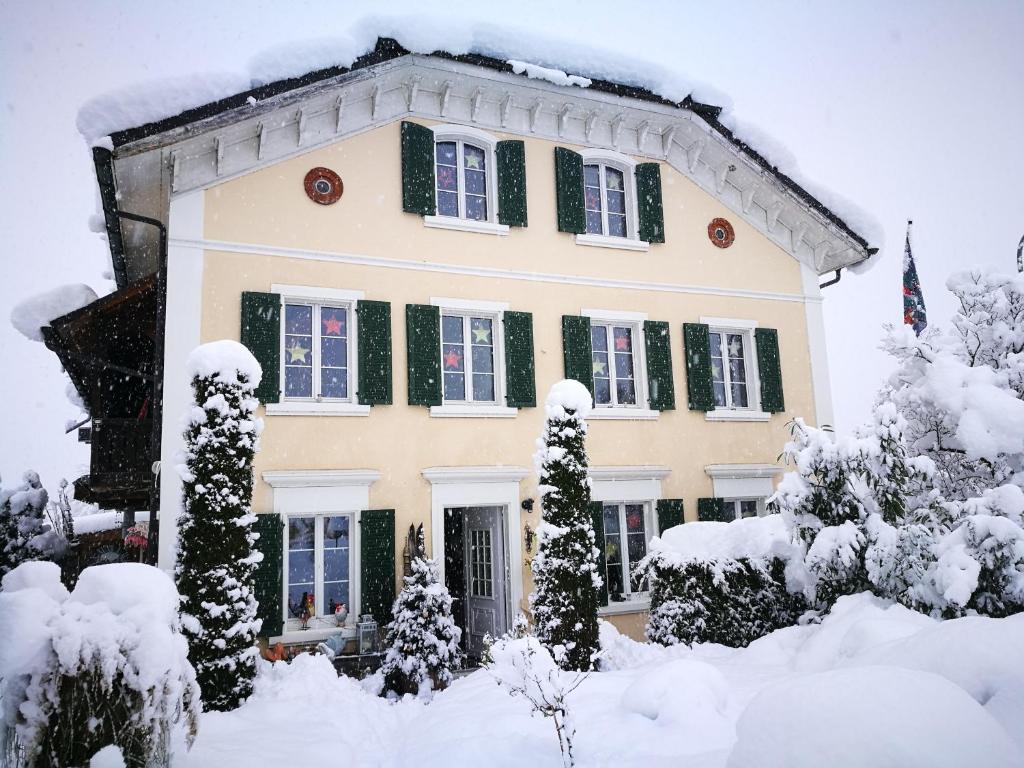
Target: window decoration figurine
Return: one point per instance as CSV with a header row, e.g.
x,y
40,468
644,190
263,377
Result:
x,y
340,614
721,233
323,186
307,610
366,630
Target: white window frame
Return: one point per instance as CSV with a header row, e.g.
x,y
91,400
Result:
x,y
321,621
469,408
464,134
318,297
635,320
762,509
752,411
631,598
627,165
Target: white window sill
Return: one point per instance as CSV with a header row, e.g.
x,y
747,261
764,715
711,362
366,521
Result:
x,y
465,225
317,409
608,241
460,411
636,604
736,414
311,635
623,413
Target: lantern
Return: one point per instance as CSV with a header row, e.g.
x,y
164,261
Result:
x,y
367,632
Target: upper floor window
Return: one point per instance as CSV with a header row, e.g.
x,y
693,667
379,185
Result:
x,y
468,357
731,368
461,170
614,363
604,196
316,350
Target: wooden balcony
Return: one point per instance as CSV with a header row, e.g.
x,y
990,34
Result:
x,y
120,471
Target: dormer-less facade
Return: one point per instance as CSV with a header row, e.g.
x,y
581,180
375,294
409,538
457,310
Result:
x,y
415,249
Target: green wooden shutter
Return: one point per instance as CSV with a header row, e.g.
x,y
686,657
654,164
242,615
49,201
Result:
x,y
374,329
597,516
261,334
769,369
648,202
418,170
714,510
698,367
660,386
423,345
377,563
670,514
569,190
576,350
511,160
520,379
267,580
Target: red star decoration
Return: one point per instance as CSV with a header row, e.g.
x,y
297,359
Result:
x,y
452,359
621,344
332,326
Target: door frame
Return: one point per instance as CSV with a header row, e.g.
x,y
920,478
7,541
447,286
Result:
x,y
480,487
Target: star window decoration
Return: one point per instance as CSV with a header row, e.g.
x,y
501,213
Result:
x,y
453,360
297,352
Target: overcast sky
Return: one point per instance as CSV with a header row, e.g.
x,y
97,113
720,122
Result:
x,y
909,109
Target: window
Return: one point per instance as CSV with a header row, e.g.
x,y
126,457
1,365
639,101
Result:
x,y
614,363
731,367
316,351
461,171
318,567
468,356
741,508
604,195
625,544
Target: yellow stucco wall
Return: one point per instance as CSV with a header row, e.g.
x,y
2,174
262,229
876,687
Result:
x,y
269,208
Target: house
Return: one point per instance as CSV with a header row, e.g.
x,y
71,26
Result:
x,y
415,248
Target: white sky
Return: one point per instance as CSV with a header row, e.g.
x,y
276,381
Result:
x,y
909,109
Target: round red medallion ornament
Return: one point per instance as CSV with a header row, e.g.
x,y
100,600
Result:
x,y
323,186
721,233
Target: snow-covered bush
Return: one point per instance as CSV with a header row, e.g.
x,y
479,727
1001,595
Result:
x,y
423,639
104,665
524,668
23,523
216,558
565,573
724,583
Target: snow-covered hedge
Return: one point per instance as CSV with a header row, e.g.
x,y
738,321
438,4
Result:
x,y
721,583
105,664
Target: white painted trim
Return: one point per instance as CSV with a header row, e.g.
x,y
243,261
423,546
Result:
x,y
734,488
489,272
473,410
729,322
627,484
608,241
622,413
639,472
312,635
480,486
626,606
736,414
316,293
716,471
453,131
817,349
323,478
465,225
474,475
184,308
614,315
469,305
595,155
310,408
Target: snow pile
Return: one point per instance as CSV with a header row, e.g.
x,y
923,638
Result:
x,y
114,643
37,311
104,521
751,537
556,76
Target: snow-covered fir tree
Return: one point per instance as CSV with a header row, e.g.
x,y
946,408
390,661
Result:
x,y
423,639
22,523
565,573
216,558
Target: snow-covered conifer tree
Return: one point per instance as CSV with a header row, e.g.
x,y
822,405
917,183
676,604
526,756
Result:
x,y
216,559
22,522
423,639
565,573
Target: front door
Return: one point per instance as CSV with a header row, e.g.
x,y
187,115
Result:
x,y
485,577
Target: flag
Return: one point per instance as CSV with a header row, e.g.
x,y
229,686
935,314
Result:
x,y
913,300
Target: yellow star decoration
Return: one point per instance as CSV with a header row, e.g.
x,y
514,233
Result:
x,y
472,161
599,367
481,336
297,352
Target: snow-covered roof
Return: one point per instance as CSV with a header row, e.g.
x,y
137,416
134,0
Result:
x,y
300,97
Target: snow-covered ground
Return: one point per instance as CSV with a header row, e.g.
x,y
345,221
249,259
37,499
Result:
x,y
873,685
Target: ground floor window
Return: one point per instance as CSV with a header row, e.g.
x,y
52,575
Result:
x,y
741,508
625,545
318,567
